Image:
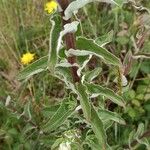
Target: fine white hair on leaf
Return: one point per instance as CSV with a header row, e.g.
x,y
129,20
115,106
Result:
x,y
76,5
68,28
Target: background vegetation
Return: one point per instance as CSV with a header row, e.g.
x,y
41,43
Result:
x,y
24,26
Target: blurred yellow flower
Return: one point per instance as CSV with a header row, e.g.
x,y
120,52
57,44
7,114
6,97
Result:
x,y
51,6
27,58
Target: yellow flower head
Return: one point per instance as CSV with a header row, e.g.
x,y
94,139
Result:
x,y
51,6
27,58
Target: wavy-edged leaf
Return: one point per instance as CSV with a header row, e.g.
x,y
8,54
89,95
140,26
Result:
x,y
88,46
98,128
108,115
68,28
53,41
34,68
99,90
91,116
85,104
76,5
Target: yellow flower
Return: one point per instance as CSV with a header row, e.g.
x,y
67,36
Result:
x,y
27,58
51,6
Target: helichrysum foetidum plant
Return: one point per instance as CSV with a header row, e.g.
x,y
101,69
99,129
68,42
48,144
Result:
x,y
50,6
27,58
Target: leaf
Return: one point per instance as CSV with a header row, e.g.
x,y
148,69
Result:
x,y
57,143
26,112
64,74
139,131
66,64
136,135
91,116
105,39
76,5
83,65
50,111
131,137
108,93
85,104
59,117
145,142
68,28
88,46
108,115
98,129
53,41
90,75
36,67
92,141
56,36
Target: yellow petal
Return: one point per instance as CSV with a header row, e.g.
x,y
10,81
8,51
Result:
x,y
51,6
27,58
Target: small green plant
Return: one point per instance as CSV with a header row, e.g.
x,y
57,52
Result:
x,y
98,107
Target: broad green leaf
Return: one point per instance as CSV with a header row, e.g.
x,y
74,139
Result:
x,y
87,52
108,115
53,41
85,104
108,93
76,5
98,128
90,75
88,46
34,68
64,111
56,36
91,116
